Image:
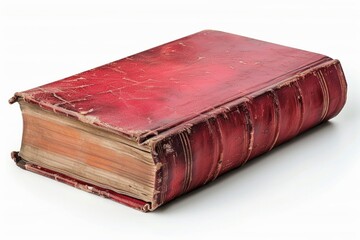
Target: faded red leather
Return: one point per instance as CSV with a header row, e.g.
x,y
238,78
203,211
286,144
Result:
x,y
227,137
206,103
161,87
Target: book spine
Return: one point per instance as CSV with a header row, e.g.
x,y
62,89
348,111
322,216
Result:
x,y
227,137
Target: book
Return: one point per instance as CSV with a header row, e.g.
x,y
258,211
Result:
x,y
150,127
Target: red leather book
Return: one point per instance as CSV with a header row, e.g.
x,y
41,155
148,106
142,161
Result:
x,y
197,107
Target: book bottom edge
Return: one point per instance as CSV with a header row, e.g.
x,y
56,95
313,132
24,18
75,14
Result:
x,y
87,187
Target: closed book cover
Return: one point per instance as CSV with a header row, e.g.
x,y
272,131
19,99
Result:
x,y
190,110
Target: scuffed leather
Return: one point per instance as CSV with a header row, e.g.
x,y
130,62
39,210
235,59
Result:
x,y
205,103
147,93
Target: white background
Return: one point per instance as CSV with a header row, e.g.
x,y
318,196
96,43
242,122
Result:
x,y
305,189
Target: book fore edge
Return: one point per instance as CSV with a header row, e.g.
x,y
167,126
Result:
x,y
87,187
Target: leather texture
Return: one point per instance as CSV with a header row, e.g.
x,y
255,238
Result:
x,y
205,103
199,151
151,91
